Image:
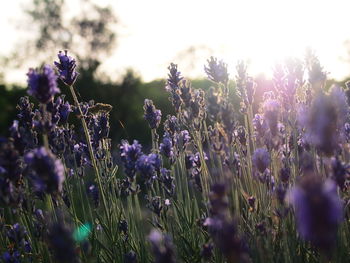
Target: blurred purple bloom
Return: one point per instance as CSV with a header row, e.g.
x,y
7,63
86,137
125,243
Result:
x,y
42,85
321,124
318,211
222,228
162,247
66,68
261,159
338,97
60,239
46,172
317,75
10,162
271,112
207,251
340,173
152,115
11,257
130,257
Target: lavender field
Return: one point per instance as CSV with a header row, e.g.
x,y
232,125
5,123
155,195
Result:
x,y
221,182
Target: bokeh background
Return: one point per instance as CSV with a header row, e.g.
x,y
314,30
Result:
x,y
123,48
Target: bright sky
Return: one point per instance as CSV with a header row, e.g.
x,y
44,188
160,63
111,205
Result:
x,y
154,33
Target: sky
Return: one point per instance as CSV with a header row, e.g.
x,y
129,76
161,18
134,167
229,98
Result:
x,y
153,33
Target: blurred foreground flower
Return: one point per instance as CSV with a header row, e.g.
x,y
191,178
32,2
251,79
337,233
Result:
x,y
46,172
318,211
162,247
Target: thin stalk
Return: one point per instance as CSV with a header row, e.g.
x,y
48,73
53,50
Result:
x,y
91,151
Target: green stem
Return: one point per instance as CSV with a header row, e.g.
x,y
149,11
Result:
x,y
91,151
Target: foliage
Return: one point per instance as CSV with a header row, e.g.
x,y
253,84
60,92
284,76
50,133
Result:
x,y
221,182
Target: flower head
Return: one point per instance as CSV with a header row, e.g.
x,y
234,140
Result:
x,y
261,159
60,239
321,124
46,172
166,147
66,68
318,211
42,85
152,115
129,155
148,165
174,77
162,247
271,112
216,70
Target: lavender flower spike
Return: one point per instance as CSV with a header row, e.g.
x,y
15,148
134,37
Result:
x,y
46,172
152,115
216,70
66,68
318,211
261,159
42,85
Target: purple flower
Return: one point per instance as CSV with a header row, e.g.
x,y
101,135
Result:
x,y
321,124
317,75
129,155
338,97
10,162
318,211
216,70
59,110
60,239
130,257
46,172
147,166
42,85
155,205
214,101
66,68
99,129
183,138
222,229
152,115
167,180
17,234
171,125
162,247
174,77
12,257
340,173
271,112
261,159
166,147
207,251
